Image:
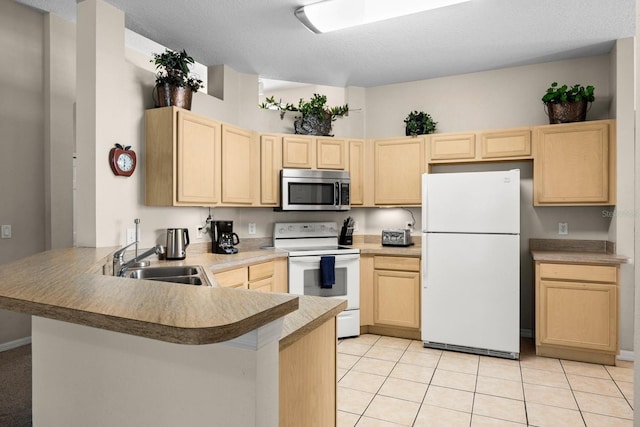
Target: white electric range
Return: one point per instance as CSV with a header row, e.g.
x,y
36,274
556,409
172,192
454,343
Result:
x,y
307,243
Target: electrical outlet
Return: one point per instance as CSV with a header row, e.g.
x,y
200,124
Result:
x,y
563,228
252,228
355,225
131,235
6,231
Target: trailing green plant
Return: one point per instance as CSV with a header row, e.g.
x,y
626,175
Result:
x,y
556,94
271,104
315,116
419,123
316,106
172,67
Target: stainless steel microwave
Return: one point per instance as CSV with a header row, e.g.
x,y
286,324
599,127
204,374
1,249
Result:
x,y
314,190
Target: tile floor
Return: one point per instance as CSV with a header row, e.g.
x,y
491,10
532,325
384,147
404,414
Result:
x,y
384,381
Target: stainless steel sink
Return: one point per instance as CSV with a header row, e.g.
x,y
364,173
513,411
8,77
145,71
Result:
x,y
187,280
157,272
184,274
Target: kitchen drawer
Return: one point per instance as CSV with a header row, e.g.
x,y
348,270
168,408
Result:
x,y
264,285
577,272
232,278
396,263
260,271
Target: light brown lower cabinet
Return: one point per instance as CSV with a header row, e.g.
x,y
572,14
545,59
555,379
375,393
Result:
x,y
390,296
577,312
268,276
236,278
307,371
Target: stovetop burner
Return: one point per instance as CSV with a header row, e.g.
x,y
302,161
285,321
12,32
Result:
x,y
309,238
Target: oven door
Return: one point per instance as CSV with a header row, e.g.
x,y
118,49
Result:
x,y
304,278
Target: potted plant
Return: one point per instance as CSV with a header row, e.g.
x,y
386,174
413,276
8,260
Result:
x,y
315,118
564,104
419,123
174,86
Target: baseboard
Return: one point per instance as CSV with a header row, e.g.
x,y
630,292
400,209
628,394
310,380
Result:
x,y
526,333
625,355
14,344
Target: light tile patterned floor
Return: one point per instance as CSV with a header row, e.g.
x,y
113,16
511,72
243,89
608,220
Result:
x,y
389,382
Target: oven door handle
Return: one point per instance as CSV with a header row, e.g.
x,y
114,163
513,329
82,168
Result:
x,y
314,259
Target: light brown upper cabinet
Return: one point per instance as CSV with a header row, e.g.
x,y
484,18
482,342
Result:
x,y
505,144
331,153
240,160
309,152
575,164
398,167
182,158
491,145
270,165
298,152
452,146
356,168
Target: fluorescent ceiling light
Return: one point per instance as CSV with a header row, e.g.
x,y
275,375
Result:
x,y
334,15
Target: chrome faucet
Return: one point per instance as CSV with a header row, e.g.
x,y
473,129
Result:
x,y
119,264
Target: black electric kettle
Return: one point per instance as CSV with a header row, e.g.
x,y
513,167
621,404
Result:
x,y
177,242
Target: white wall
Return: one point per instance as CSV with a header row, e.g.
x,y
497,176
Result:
x,y
622,229
59,129
508,97
21,144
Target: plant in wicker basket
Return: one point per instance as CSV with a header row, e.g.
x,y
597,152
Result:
x,y
564,104
315,119
174,86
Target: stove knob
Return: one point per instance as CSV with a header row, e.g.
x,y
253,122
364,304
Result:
x,y
281,230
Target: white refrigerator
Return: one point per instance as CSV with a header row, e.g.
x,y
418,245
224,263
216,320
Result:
x,y
471,262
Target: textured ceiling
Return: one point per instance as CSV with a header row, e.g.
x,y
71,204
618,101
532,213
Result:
x,y
265,38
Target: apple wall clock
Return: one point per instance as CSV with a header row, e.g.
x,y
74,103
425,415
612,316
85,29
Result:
x,y
122,160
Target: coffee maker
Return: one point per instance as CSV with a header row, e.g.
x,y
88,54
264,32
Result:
x,y
224,238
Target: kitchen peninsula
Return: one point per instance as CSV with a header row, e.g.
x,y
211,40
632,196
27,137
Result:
x,y
115,351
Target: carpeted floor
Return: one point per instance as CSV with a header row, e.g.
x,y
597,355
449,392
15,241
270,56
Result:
x,y
15,387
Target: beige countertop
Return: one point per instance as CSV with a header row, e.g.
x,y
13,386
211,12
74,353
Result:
x,y
68,285
378,249
579,257
576,251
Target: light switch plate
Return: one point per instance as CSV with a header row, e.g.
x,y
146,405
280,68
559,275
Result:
x,y
6,231
563,228
131,235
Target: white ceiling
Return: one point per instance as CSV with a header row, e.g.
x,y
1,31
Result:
x,y
264,37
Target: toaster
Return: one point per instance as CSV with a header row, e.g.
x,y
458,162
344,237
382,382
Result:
x,y
396,237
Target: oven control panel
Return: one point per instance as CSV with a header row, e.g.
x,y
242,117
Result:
x,y
292,230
